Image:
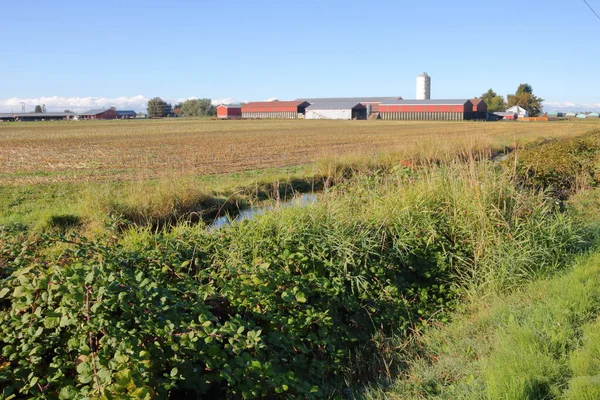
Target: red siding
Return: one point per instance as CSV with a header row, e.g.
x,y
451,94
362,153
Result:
x,y
108,114
270,109
226,112
423,108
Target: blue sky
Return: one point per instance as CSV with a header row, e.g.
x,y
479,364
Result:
x,y
88,54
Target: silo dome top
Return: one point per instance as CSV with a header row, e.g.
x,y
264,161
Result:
x,y
423,75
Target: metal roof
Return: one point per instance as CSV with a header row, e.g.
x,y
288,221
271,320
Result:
x,y
336,105
95,111
431,102
276,103
37,115
229,105
353,99
126,112
505,114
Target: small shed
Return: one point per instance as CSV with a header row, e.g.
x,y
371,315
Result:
x,y
521,112
336,110
229,112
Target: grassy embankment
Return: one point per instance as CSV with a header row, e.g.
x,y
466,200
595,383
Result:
x,y
541,342
154,172
298,303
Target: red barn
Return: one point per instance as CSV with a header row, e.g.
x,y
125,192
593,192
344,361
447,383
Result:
x,y
479,108
275,109
229,112
111,113
428,110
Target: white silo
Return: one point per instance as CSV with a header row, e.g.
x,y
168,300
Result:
x,y
423,86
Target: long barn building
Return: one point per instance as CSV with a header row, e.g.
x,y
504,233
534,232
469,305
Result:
x,y
275,109
434,110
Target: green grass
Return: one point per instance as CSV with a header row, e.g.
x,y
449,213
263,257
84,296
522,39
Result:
x,y
539,343
327,287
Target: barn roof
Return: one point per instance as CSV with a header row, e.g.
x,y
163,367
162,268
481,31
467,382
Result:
x,y
505,114
229,105
37,115
353,99
95,111
431,102
126,112
336,105
276,103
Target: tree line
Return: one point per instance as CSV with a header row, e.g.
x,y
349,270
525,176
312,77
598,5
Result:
x,y
523,97
158,108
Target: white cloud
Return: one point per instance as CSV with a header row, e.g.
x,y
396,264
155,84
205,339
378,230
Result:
x,y
58,103
570,105
215,102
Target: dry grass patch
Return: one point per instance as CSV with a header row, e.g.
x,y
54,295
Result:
x,y
140,150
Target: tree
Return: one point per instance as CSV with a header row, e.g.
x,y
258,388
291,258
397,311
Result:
x,y
158,108
198,108
177,109
525,98
494,101
38,109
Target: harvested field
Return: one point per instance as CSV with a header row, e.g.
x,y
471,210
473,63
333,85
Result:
x,y
137,150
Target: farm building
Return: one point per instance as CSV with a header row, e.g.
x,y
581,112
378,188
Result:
x,y
593,115
570,115
229,112
275,109
505,115
336,110
126,114
582,116
521,112
32,116
431,110
372,103
110,113
479,108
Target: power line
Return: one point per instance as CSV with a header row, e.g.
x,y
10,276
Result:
x,y
590,7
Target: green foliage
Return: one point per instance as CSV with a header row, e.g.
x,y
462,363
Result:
x,y
525,98
64,221
158,108
494,101
292,304
198,108
562,166
540,342
38,109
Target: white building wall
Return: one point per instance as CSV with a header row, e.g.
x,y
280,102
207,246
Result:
x,y
521,112
329,114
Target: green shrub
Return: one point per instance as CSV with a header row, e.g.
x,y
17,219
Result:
x,y
292,304
561,166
